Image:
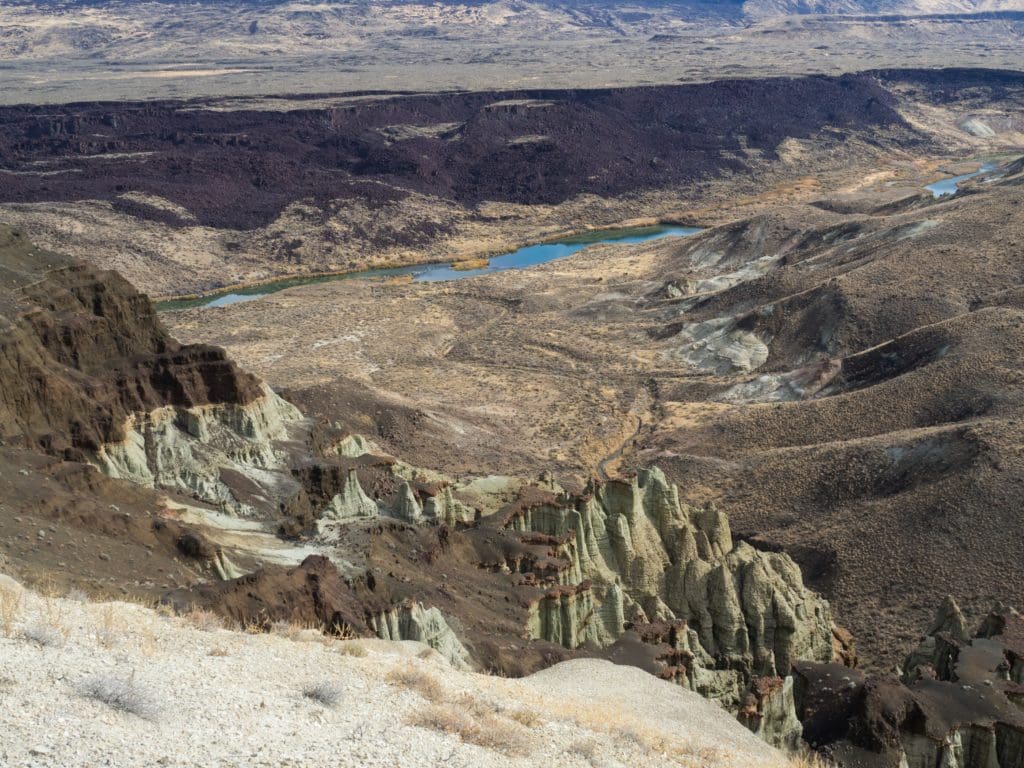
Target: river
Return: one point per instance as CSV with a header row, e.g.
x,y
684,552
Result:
x,y
526,256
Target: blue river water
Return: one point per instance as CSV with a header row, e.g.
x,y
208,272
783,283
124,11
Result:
x,y
527,256
949,186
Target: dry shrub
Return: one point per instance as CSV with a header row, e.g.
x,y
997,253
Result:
x,y
487,732
123,694
352,648
476,706
586,749
525,716
254,627
324,692
424,684
44,634
10,608
203,620
77,595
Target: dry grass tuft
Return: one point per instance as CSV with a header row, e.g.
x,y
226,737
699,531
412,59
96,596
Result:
x,y
424,684
352,648
808,760
324,692
623,726
108,631
43,634
287,629
124,695
487,732
10,608
203,620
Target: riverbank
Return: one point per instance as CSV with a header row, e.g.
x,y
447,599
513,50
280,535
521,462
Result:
x,y
526,256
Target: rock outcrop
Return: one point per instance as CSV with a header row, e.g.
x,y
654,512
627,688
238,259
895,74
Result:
x,y
187,449
769,710
411,621
81,351
312,594
349,502
633,553
958,704
88,373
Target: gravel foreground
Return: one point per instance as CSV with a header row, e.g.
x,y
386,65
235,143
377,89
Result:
x,y
117,684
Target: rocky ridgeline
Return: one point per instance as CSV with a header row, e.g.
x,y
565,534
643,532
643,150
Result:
x,y
88,373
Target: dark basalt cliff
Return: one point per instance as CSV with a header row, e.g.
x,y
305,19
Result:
x,y
238,168
81,349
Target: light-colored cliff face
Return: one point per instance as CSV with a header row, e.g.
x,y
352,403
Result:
x,y
411,621
350,503
654,559
573,618
185,449
636,555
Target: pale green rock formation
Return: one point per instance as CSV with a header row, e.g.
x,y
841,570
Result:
x,y
184,449
349,504
650,558
719,346
948,621
354,446
411,621
612,613
571,618
406,507
445,508
126,460
969,746
226,569
771,714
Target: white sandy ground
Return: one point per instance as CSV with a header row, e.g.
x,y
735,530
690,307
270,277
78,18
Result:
x,y
230,698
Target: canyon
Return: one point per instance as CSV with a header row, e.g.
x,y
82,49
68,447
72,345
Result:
x,y
268,517
771,460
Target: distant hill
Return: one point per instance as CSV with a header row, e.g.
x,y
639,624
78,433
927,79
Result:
x,y
691,9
